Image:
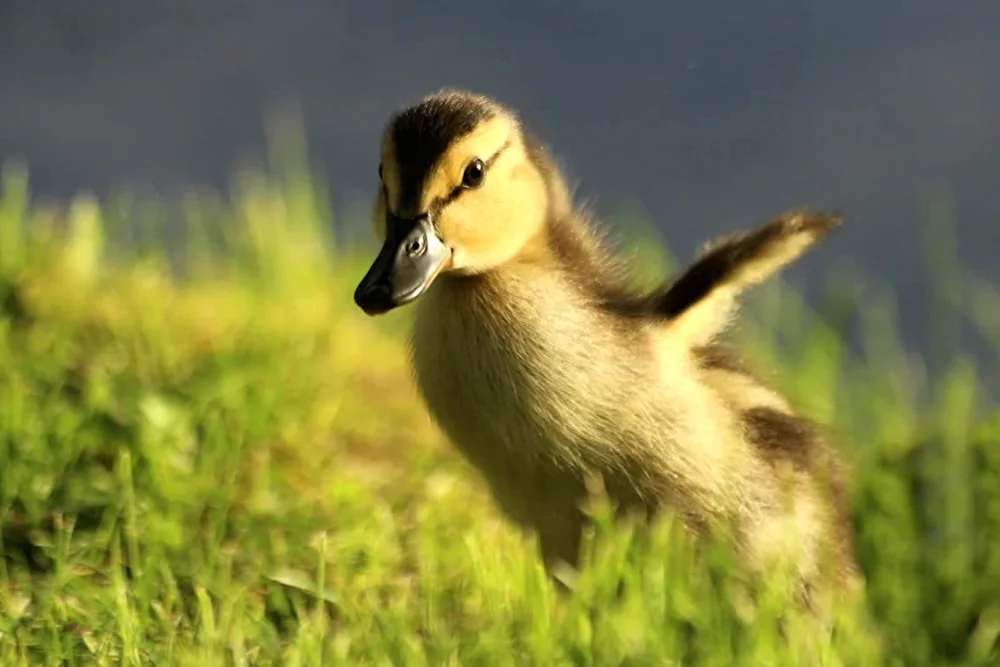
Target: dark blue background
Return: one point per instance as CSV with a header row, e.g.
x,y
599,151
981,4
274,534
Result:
x,y
712,114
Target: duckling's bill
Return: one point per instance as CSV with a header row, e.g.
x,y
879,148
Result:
x,y
411,258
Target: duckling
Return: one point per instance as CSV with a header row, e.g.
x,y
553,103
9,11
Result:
x,y
544,367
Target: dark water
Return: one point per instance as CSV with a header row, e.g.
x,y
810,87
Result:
x,y
711,114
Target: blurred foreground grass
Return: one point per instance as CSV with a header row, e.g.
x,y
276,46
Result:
x,y
232,467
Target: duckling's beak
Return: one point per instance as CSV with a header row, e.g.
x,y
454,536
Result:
x,y
411,258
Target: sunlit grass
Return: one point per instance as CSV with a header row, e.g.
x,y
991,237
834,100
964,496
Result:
x,y
208,456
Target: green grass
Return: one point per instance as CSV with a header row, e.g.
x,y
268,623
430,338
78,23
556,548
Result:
x,y
210,457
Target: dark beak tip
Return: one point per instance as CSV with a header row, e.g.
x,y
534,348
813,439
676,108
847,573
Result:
x,y
372,310
365,299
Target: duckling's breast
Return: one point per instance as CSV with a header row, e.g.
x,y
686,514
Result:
x,y
535,389
515,366
523,383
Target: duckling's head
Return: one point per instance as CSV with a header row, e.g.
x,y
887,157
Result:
x,y
460,193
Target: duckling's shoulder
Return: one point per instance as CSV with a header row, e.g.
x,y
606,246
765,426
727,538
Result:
x,y
590,264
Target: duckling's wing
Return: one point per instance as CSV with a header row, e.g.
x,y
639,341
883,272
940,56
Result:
x,y
701,301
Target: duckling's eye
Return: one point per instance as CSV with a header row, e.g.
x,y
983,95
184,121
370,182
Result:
x,y
474,173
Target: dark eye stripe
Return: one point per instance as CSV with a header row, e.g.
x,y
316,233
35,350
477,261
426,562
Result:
x,y
435,206
493,158
459,189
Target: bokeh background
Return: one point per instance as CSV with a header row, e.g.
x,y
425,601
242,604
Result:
x,y
229,464
704,115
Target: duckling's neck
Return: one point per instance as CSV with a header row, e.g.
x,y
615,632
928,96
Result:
x,y
565,259
569,243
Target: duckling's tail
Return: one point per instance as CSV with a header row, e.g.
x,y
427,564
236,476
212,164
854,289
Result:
x,y
700,303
